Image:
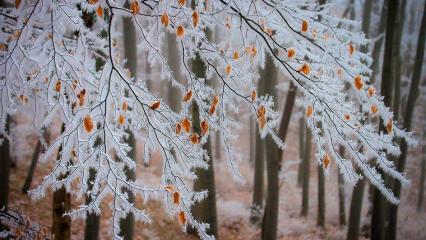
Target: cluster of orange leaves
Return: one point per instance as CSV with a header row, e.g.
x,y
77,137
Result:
x,y
176,200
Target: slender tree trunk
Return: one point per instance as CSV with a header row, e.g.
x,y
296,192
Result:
x,y
274,158
355,210
302,140
306,167
422,180
30,174
252,140
379,203
173,58
259,162
321,197
411,103
129,38
4,167
379,41
91,231
341,190
61,225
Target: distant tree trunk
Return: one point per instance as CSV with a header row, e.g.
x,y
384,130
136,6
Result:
x,y
259,161
217,146
302,139
411,103
274,158
38,149
379,41
321,197
306,167
398,59
204,211
174,63
379,203
355,210
130,54
341,190
91,231
61,225
422,178
4,167
252,141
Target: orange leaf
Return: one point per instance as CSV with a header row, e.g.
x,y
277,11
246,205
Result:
x,y
181,2
236,55
182,218
347,117
81,97
253,96
176,198
253,51
326,160
124,106
121,119
186,124
228,69
194,138
351,49
165,19
389,125
261,111
180,31
195,18
178,128
100,12
169,188
188,96
92,2
305,68
212,110
262,121
309,110
58,86
374,108
155,105
291,53
204,127
304,26
3,47
134,7
371,91
215,100
358,82
17,3
88,123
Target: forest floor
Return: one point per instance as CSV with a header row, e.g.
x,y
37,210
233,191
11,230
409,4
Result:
x,y
233,199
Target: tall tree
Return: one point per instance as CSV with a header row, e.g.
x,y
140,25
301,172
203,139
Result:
x,y
306,167
274,159
129,41
387,84
61,224
302,140
341,192
4,166
422,173
321,197
408,115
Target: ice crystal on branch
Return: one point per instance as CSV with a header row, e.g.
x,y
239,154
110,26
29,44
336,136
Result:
x,y
65,57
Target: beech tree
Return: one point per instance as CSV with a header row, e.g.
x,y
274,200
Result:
x,y
48,58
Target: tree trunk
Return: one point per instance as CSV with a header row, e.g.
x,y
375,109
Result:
x,y
61,225
173,58
411,103
305,172
252,140
321,197
30,174
274,158
130,53
355,210
302,139
4,167
379,41
259,162
91,231
422,179
379,203
341,190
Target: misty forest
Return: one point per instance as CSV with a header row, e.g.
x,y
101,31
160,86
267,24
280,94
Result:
x,y
212,119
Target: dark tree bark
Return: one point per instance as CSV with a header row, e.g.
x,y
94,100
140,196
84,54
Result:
x,y
355,210
302,140
129,38
4,167
61,225
91,231
30,174
306,167
422,177
379,42
274,158
379,203
259,160
321,197
411,103
341,190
